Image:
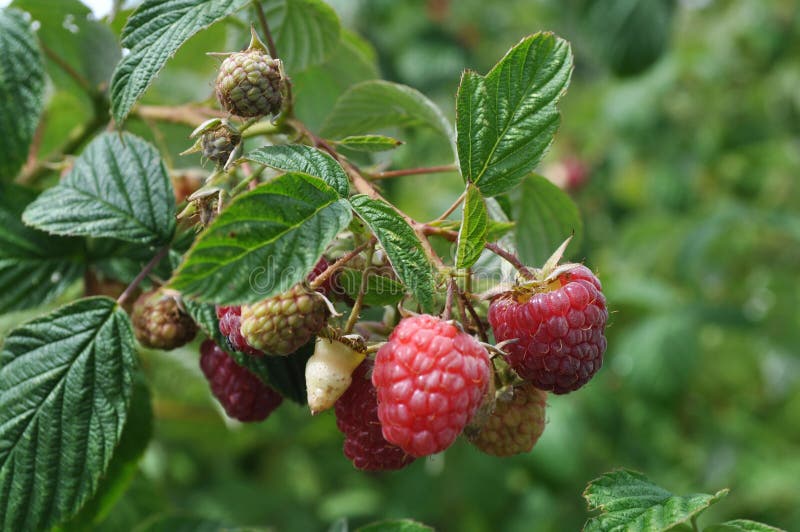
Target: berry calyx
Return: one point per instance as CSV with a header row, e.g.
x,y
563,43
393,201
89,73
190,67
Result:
x,y
329,370
160,322
555,328
240,392
251,83
281,324
515,425
431,378
357,418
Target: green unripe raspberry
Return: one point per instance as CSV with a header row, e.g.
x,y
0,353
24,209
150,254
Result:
x,y
250,83
219,143
283,323
515,425
159,322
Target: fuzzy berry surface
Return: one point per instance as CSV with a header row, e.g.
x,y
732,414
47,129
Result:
x,y
240,392
357,418
229,325
219,143
516,424
560,333
282,324
431,379
250,84
159,322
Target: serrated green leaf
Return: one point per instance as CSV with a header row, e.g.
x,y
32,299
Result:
x,y
299,158
369,143
67,28
474,227
305,31
187,523
34,267
286,374
65,387
545,216
152,35
373,105
507,120
125,462
629,501
395,525
264,242
118,188
380,290
742,525
21,90
402,246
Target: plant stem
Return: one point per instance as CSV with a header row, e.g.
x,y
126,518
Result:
x,y
190,115
448,304
695,528
481,329
150,266
414,171
322,278
246,181
262,19
452,207
71,72
351,321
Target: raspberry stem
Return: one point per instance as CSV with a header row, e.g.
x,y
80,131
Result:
x,y
150,266
351,321
262,19
413,171
323,277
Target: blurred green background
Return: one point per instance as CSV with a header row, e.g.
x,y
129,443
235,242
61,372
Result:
x,y
680,142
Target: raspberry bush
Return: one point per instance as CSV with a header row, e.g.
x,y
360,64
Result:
x,y
283,252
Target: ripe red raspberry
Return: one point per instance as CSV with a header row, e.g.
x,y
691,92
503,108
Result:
x,y
229,321
431,378
516,423
240,392
560,330
357,418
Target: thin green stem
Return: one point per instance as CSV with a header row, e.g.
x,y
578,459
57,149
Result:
x,y
71,72
414,171
262,20
246,181
149,267
452,207
351,321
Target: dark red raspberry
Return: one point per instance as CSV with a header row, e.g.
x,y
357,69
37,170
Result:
x,y
229,320
357,418
431,378
240,392
560,330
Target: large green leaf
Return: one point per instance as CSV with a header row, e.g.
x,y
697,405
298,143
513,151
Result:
x,y
67,29
474,228
403,247
118,188
152,35
629,501
299,158
286,374
508,119
545,217
741,525
264,242
21,90
125,462
34,266
305,31
395,525
65,386
370,106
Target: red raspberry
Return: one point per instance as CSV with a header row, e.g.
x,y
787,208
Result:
x,y
241,393
229,320
357,418
560,333
431,378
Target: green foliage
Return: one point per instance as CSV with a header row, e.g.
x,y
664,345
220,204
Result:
x,y
508,119
369,143
298,158
402,246
306,31
153,34
250,252
21,90
474,227
34,267
118,189
65,386
379,290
